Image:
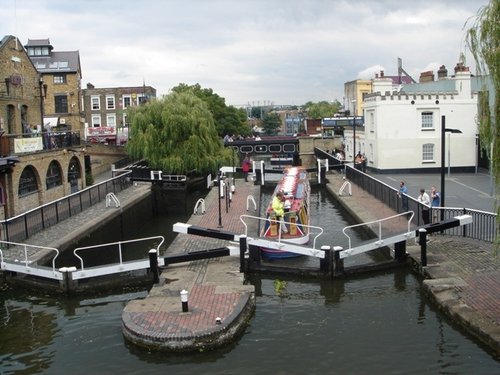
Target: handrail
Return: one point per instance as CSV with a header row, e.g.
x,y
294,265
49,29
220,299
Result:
x,y
379,226
200,202
25,247
119,243
112,197
250,198
320,230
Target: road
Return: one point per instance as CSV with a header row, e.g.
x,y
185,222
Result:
x,y
463,190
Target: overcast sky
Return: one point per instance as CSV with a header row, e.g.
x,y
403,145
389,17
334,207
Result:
x,y
249,52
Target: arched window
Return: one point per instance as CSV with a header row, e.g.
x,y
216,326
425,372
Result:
x,y
27,182
54,175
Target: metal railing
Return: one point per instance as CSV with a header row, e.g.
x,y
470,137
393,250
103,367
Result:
x,y
483,225
21,227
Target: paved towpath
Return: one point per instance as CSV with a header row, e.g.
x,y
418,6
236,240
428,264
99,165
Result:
x,y
216,288
462,275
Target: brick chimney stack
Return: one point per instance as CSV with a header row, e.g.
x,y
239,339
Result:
x,y
442,72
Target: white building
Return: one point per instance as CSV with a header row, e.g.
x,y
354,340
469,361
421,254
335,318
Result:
x,y
403,124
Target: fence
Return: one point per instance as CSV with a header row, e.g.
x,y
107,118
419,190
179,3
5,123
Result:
x,y
483,225
19,228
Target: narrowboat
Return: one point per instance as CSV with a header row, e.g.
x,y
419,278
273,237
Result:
x,y
295,185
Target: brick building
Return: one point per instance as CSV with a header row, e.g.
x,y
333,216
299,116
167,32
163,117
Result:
x,y
35,167
61,74
105,111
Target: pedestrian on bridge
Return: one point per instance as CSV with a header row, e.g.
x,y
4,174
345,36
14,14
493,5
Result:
x,y
403,194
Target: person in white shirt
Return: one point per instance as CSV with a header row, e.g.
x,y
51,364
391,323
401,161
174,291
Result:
x,y
425,200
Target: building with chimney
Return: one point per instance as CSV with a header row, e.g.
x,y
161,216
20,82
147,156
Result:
x,y
61,76
402,123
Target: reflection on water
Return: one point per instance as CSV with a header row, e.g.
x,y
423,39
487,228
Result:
x,y
379,323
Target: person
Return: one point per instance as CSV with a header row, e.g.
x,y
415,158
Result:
x,y
435,202
363,163
358,161
424,199
245,166
278,207
403,194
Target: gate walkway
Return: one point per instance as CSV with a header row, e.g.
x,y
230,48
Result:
x,y
462,274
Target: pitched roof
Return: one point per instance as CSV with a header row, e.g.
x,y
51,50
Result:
x,y
58,62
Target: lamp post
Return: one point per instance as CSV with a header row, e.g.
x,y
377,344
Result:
x,y
354,133
444,130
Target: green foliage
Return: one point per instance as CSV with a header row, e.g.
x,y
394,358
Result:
x,y
228,119
483,40
271,123
176,134
279,287
322,109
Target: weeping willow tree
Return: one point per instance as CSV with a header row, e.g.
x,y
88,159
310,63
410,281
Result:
x,y
483,40
177,134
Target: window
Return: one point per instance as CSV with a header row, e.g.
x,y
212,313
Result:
x,y
141,99
27,182
127,100
427,122
96,121
125,120
60,78
61,103
111,120
110,102
54,175
428,152
95,103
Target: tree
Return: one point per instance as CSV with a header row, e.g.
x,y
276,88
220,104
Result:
x,y
483,40
228,119
271,123
322,109
177,134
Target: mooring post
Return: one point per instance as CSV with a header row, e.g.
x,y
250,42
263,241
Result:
x,y
326,263
400,251
243,252
422,235
339,263
153,265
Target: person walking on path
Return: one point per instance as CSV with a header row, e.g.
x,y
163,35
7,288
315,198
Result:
x,y
403,194
424,199
278,206
435,203
245,166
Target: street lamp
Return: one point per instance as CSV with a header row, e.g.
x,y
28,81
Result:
x,y
444,130
354,133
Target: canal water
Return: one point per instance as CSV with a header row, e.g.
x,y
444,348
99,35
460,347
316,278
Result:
x,y
376,324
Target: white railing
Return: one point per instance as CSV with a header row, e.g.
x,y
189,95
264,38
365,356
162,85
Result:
x,y
199,203
318,230
380,241
119,244
20,250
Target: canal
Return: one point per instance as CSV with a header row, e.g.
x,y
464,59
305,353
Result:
x,y
379,323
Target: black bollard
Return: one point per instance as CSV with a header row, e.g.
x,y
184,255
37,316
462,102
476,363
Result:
x,y
184,300
326,264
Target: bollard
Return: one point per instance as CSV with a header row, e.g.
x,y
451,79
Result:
x,y
184,300
153,265
422,234
67,283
